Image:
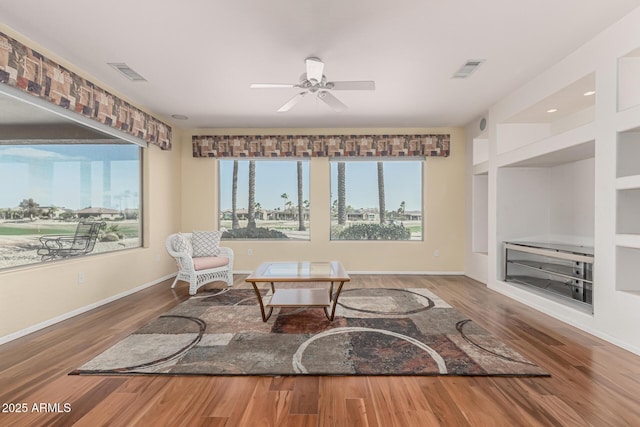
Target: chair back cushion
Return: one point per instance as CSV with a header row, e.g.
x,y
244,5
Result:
x,y
206,243
181,243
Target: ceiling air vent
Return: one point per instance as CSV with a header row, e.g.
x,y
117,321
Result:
x,y
127,71
468,68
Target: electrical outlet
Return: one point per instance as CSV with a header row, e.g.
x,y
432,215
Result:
x,y
436,252
157,258
80,278
249,252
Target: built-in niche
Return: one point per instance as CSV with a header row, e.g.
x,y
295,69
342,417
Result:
x,y
629,80
548,198
480,217
480,195
628,210
628,154
627,261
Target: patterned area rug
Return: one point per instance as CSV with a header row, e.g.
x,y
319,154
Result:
x,y
375,332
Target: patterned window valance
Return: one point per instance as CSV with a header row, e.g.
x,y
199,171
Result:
x,y
24,68
320,145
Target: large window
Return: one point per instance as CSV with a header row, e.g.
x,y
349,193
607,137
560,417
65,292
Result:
x,y
46,190
264,199
376,200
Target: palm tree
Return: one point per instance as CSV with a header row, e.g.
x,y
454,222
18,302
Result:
x,y
401,211
284,197
300,217
259,210
342,194
251,216
288,206
235,224
381,191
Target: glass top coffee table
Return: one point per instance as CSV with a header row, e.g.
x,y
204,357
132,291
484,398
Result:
x,y
273,272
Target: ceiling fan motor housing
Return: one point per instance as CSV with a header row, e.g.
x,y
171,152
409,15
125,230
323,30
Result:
x,y
312,85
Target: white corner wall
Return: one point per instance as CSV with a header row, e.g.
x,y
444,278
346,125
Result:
x,y
616,310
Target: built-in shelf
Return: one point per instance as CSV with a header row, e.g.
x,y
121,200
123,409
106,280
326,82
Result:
x,y
561,270
628,119
628,182
572,145
629,241
481,168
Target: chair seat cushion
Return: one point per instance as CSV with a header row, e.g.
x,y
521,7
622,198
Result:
x,y
206,262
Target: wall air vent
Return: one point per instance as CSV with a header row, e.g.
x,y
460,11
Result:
x,y
468,68
127,71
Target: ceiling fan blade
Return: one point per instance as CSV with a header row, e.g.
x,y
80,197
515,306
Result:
x,y
331,101
270,85
290,103
363,85
315,69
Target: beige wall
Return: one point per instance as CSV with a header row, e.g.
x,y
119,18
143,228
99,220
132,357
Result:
x,y
36,294
32,296
444,198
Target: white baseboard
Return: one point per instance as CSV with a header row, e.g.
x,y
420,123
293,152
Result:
x,y
416,273
413,273
529,300
65,316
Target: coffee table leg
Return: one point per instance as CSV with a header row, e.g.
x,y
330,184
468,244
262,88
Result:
x,y
335,302
265,317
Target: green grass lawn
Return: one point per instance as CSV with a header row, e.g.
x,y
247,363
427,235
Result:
x,y
129,230
22,230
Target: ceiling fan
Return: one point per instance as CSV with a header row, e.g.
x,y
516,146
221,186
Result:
x,y
315,82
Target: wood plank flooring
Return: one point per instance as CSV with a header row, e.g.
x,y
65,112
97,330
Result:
x,y
593,383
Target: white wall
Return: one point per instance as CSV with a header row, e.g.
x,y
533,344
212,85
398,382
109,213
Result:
x,y
480,207
572,202
616,312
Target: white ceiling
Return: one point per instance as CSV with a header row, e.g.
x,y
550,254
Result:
x,y
200,56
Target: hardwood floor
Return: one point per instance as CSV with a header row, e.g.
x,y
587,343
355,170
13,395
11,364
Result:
x,y
593,383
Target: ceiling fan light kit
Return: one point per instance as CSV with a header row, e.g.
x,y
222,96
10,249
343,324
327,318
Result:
x,y
315,82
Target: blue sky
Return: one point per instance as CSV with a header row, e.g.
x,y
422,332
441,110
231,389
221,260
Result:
x,y
403,182
70,175
273,178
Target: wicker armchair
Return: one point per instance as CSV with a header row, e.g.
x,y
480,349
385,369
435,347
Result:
x,y
198,271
